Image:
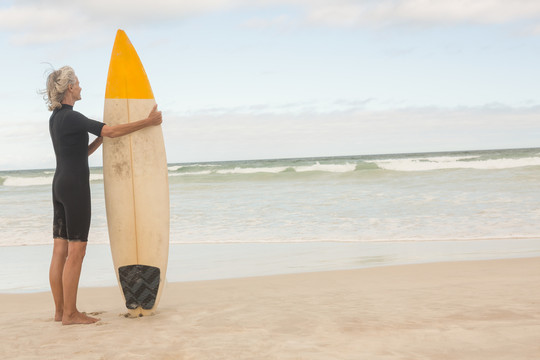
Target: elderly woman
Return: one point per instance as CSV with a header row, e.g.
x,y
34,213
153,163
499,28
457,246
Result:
x,y
71,187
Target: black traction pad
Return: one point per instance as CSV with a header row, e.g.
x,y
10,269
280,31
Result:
x,y
140,284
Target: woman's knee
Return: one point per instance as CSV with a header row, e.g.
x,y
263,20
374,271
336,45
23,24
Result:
x,y
60,248
77,249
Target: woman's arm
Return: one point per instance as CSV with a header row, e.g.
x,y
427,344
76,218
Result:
x,y
154,118
95,145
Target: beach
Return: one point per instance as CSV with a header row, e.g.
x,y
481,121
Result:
x,y
317,180
448,310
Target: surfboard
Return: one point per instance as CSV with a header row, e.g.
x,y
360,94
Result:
x,y
135,178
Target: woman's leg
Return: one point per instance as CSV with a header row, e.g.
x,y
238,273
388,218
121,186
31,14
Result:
x,y
70,280
60,252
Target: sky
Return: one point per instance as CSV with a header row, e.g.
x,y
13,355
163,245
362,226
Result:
x,y
239,79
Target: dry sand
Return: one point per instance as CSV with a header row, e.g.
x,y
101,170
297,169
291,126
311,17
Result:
x,y
461,310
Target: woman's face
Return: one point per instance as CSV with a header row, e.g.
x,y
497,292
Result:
x,y
76,90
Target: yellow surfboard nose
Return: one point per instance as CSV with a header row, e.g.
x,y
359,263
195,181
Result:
x,y
127,78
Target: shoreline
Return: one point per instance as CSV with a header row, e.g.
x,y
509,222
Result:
x,y
194,262
446,310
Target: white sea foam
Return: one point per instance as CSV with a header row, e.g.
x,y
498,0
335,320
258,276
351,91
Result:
x,y
255,170
96,177
20,181
205,172
175,168
335,168
445,162
178,167
411,164
27,181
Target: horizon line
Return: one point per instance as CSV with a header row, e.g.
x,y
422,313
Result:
x,y
309,157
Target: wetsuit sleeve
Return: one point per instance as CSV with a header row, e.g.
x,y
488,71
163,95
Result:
x,y
91,126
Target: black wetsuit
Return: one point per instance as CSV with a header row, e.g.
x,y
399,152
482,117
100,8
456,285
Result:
x,y
71,185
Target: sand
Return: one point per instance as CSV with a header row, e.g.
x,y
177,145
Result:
x,y
460,310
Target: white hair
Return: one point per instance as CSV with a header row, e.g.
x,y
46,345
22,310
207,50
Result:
x,y
58,82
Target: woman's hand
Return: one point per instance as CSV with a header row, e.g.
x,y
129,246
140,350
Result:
x,y
113,131
154,118
95,145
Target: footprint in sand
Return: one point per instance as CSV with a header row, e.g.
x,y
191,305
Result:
x,y
95,313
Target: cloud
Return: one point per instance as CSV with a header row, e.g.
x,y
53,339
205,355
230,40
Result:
x,y
40,21
531,30
35,23
383,13
421,12
240,135
283,21
290,108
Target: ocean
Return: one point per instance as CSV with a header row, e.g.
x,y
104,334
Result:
x,y
276,211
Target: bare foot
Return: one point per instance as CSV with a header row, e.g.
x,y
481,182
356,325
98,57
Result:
x,y
78,318
58,316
